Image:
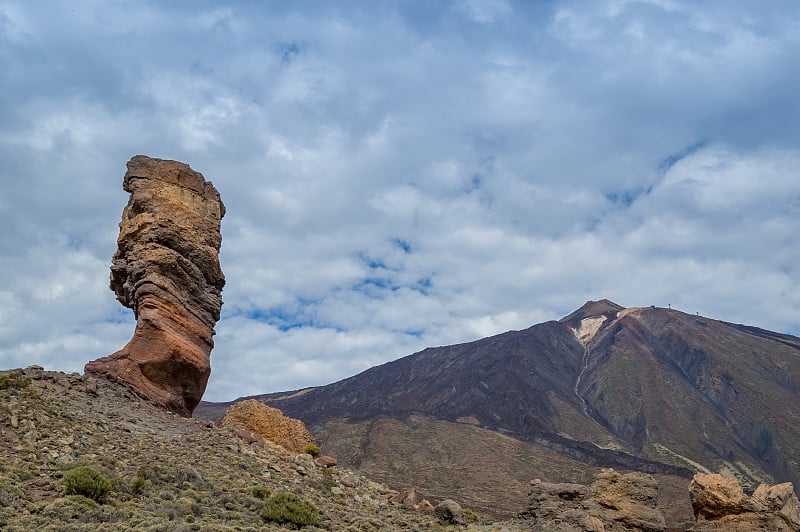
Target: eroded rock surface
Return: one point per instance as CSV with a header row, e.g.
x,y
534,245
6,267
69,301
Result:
x,y
270,424
167,270
616,502
719,504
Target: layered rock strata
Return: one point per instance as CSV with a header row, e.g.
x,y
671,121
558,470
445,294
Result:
x,y
166,268
270,424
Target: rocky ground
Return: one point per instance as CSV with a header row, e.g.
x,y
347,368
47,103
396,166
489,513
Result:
x,y
172,473
167,472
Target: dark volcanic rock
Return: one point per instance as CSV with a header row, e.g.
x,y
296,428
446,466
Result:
x,y
167,270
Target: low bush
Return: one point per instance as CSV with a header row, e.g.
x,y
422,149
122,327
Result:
x,y
327,479
84,480
260,492
138,484
311,449
288,508
15,379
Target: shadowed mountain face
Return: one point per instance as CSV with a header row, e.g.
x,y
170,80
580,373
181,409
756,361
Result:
x,y
649,389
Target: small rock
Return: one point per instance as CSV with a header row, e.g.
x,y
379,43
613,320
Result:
x,y
325,461
348,481
14,421
91,385
591,523
34,372
425,507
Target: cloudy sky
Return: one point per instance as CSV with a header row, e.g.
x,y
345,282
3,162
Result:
x,y
402,174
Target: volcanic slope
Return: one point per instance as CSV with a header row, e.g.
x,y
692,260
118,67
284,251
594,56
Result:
x,y
648,389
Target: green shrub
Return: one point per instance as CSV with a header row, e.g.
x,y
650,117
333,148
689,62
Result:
x,y
14,379
311,449
260,492
84,480
288,508
84,502
138,484
471,517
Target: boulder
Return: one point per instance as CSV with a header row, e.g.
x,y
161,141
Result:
x,y
715,496
270,424
615,502
629,499
166,268
325,461
720,504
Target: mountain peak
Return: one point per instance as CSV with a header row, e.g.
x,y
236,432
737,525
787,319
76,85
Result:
x,y
593,309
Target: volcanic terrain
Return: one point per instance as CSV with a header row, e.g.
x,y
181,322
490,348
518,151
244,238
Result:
x,y
646,389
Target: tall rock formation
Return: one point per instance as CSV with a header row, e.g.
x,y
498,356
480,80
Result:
x,y
167,270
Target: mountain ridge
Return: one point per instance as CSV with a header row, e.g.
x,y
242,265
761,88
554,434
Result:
x,y
644,388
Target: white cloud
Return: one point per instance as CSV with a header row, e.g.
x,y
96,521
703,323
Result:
x,y
400,176
484,11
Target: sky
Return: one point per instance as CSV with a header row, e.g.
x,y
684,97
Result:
x,y
401,174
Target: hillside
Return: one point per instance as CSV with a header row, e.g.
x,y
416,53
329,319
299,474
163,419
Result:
x,y
648,389
167,473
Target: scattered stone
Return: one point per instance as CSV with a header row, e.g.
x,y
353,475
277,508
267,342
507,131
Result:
x,y
167,270
348,481
248,437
